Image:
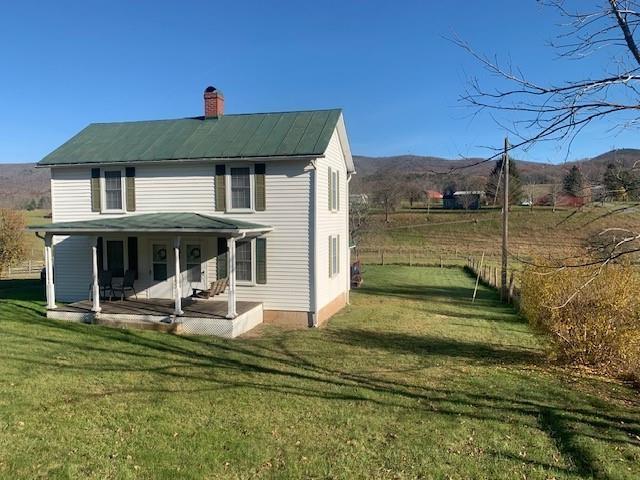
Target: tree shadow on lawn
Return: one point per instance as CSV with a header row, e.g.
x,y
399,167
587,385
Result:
x,y
278,364
22,289
427,345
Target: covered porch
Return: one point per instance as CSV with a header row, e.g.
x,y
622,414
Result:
x,y
174,306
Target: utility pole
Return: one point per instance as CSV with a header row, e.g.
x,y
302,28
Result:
x,y
505,222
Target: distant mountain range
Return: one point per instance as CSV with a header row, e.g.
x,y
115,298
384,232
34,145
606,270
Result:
x,y
20,183
436,172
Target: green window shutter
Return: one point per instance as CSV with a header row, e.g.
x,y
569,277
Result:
x,y
220,194
130,184
95,190
329,196
221,262
132,254
261,260
100,252
338,255
259,173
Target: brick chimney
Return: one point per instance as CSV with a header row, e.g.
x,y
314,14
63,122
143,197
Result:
x,y
213,102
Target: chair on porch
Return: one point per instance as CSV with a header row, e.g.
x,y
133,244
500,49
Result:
x,y
215,288
127,285
105,280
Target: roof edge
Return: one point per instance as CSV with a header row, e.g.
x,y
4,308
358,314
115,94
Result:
x,y
181,160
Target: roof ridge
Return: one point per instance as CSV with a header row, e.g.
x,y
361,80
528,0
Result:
x,y
210,119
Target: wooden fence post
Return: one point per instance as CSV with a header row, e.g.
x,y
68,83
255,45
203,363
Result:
x,y
511,287
382,256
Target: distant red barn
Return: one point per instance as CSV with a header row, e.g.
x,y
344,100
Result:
x,y
562,200
433,195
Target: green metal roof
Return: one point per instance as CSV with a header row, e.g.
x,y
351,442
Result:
x,y
155,222
225,137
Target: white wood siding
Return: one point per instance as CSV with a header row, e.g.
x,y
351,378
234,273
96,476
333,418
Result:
x,y
71,268
331,223
189,187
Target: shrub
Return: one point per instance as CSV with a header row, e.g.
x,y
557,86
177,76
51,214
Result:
x,y
12,237
592,314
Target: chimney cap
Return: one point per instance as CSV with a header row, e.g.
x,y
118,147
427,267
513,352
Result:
x,y
212,89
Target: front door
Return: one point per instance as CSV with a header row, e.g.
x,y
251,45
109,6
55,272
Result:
x,y
161,272
193,275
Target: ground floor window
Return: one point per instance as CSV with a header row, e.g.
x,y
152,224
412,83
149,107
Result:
x,y
194,261
159,251
115,257
244,262
334,255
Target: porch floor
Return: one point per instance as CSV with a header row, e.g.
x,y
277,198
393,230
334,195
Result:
x,y
159,307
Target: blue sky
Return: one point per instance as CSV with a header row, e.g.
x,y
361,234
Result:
x,y
387,64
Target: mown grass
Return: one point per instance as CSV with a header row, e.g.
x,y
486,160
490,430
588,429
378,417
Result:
x,y
411,381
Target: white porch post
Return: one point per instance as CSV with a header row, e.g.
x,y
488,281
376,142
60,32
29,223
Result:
x,y
48,265
95,287
231,268
178,290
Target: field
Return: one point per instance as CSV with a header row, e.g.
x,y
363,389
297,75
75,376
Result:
x,y
411,381
454,235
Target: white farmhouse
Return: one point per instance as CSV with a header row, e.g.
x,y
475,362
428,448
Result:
x,y
254,203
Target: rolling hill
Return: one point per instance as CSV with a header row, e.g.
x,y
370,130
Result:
x,y
20,183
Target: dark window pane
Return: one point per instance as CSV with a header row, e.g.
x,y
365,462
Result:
x,y
159,272
115,257
159,253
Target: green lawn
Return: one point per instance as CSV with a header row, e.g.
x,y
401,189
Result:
x,y
411,381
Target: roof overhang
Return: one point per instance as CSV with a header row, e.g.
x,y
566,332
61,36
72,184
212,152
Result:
x,y
184,160
156,223
344,144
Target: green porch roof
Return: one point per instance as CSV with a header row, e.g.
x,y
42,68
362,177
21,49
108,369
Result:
x,y
280,134
185,222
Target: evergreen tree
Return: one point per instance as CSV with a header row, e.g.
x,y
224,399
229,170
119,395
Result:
x,y
573,182
493,189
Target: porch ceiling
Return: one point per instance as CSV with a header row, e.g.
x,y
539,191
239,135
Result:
x,y
179,222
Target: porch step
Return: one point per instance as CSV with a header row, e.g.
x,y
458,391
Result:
x,y
110,321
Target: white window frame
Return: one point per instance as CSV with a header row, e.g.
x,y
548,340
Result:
x,y
334,188
252,186
103,191
334,249
252,282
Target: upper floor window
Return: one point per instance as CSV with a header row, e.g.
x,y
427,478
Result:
x,y
334,190
113,190
241,187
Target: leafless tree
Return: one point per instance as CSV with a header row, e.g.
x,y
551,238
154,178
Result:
x,y
358,218
386,193
467,200
558,112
